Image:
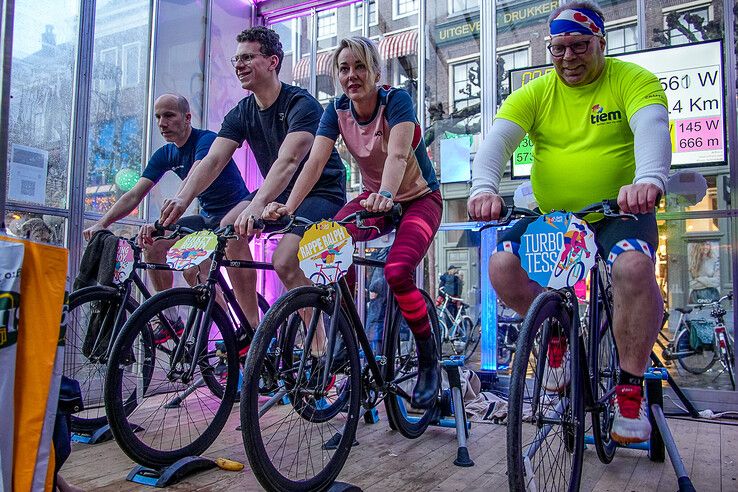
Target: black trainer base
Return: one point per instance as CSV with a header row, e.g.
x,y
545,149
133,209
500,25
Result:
x,y
100,435
343,487
172,474
462,458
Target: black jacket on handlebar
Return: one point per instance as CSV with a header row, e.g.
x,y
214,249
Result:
x,y
98,260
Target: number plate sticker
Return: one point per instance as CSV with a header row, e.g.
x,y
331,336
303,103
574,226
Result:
x,y
326,252
557,250
192,250
123,262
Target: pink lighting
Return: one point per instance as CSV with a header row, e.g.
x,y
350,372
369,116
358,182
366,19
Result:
x,y
300,10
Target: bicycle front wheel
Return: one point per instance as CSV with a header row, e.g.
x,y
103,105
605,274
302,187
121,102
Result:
x,y
696,361
545,430
303,443
178,416
402,373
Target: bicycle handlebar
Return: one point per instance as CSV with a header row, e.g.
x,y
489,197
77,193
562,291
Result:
x,y
180,230
289,222
609,208
726,297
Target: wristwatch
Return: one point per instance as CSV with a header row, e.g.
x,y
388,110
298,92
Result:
x,y
386,194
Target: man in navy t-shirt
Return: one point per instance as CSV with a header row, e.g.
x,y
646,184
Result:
x,y
278,121
186,148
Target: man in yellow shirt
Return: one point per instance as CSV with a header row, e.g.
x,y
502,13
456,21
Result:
x,y
601,131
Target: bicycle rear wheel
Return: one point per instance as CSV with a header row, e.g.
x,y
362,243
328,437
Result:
x,y
545,431
90,321
402,372
696,361
177,417
303,444
473,335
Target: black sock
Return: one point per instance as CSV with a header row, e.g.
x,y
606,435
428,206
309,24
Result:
x,y
627,378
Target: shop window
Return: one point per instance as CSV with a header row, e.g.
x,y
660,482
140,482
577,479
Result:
x,y
131,64
403,8
622,39
457,6
357,15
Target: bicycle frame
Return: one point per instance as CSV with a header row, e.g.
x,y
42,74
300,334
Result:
x,y
215,277
596,330
344,299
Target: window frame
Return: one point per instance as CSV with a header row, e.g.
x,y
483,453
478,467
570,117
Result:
x,y
124,64
452,64
327,13
620,24
452,12
396,9
684,9
373,19
104,87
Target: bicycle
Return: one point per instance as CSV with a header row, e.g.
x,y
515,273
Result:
x,y
698,344
458,332
178,416
96,315
508,332
545,434
327,389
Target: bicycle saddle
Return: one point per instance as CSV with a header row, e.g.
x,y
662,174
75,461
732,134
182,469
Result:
x,y
684,310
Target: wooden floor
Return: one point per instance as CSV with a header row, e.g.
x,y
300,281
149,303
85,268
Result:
x,y
384,460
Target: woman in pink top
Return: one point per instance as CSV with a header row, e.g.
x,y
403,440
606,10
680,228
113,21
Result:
x,y
381,131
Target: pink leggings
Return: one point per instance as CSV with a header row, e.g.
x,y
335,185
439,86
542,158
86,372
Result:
x,y
418,225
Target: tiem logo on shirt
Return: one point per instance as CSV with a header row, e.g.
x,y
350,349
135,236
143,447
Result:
x,y
601,117
379,133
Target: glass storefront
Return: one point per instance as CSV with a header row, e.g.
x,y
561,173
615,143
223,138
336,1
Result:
x,y
435,49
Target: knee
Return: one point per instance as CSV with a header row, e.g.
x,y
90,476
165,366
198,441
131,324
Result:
x,y
285,265
156,252
397,273
190,275
632,269
501,264
238,249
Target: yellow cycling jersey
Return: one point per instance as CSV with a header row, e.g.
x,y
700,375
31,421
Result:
x,y
583,142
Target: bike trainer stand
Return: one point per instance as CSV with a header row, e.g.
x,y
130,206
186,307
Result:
x,y
452,411
171,474
97,436
661,437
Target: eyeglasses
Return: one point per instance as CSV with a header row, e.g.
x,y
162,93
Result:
x,y
246,58
578,48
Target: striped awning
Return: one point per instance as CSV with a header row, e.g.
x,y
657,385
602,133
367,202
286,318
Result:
x,y
400,44
302,67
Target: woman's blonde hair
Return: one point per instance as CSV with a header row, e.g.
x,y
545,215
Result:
x,y
364,49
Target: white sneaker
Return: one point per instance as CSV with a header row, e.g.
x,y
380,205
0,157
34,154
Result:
x,y
557,371
630,423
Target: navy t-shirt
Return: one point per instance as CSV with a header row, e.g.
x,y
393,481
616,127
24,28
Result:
x,y
222,195
295,110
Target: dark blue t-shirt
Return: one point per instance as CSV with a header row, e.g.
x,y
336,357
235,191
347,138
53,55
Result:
x,y
222,195
295,110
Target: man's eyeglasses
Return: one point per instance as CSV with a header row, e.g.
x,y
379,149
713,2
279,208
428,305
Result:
x,y
246,58
578,48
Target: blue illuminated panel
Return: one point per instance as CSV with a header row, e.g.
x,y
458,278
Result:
x,y
489,303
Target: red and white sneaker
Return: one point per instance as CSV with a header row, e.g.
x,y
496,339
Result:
x,y
630,423
557,371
